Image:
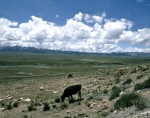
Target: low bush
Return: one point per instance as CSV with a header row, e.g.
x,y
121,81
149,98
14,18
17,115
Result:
x,y
54,106
115,93
139,77
131,99
46,107
37,103
64,105
140,103
31,107
15,104
9,107
114,87
145,84
138,87
105,91
128,81
2,104
57,100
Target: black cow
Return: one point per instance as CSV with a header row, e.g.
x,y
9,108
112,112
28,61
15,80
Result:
x,y
71,90
70,75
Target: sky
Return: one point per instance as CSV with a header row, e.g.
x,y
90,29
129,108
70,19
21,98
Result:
x,y
99,26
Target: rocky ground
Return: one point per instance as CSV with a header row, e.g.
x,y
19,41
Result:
x,y
94,104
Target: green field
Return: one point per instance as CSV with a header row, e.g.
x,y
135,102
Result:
x,y
16,65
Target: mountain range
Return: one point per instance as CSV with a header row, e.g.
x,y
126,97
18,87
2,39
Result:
x,y
37,50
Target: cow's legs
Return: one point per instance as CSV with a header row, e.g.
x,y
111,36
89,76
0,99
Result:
x,y
79,95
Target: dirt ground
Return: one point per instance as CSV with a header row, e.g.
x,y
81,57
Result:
x,y
47,89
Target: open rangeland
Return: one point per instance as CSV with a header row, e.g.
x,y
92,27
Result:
x,y
31,86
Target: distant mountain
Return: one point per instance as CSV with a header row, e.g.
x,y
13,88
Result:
x,y
36,50
22,49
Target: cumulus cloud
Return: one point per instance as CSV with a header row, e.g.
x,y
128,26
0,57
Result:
x,y
83,32
78,17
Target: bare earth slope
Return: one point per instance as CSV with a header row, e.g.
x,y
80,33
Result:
x,y
47,89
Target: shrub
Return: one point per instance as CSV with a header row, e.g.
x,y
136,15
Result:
x,y
138,87
145,84
9,106
46,107
128,81
105,91
37,103
15,104
31,107
57,100
140,103
3,104
115,93
64,105
139,77
128,100
54,106
114,87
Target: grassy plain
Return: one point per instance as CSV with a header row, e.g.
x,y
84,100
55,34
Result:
x,y
42,64
21,75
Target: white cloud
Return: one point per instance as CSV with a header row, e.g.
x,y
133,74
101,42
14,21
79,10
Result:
x,y
94,18
139,0
103,35
87,18
78,17
98,19
6,23
142,36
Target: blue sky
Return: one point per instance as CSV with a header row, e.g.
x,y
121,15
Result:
x,y
77,25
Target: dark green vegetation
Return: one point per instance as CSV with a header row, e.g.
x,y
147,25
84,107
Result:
x,y
10,105
115,92
46,107
143,85
128,81
131,99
